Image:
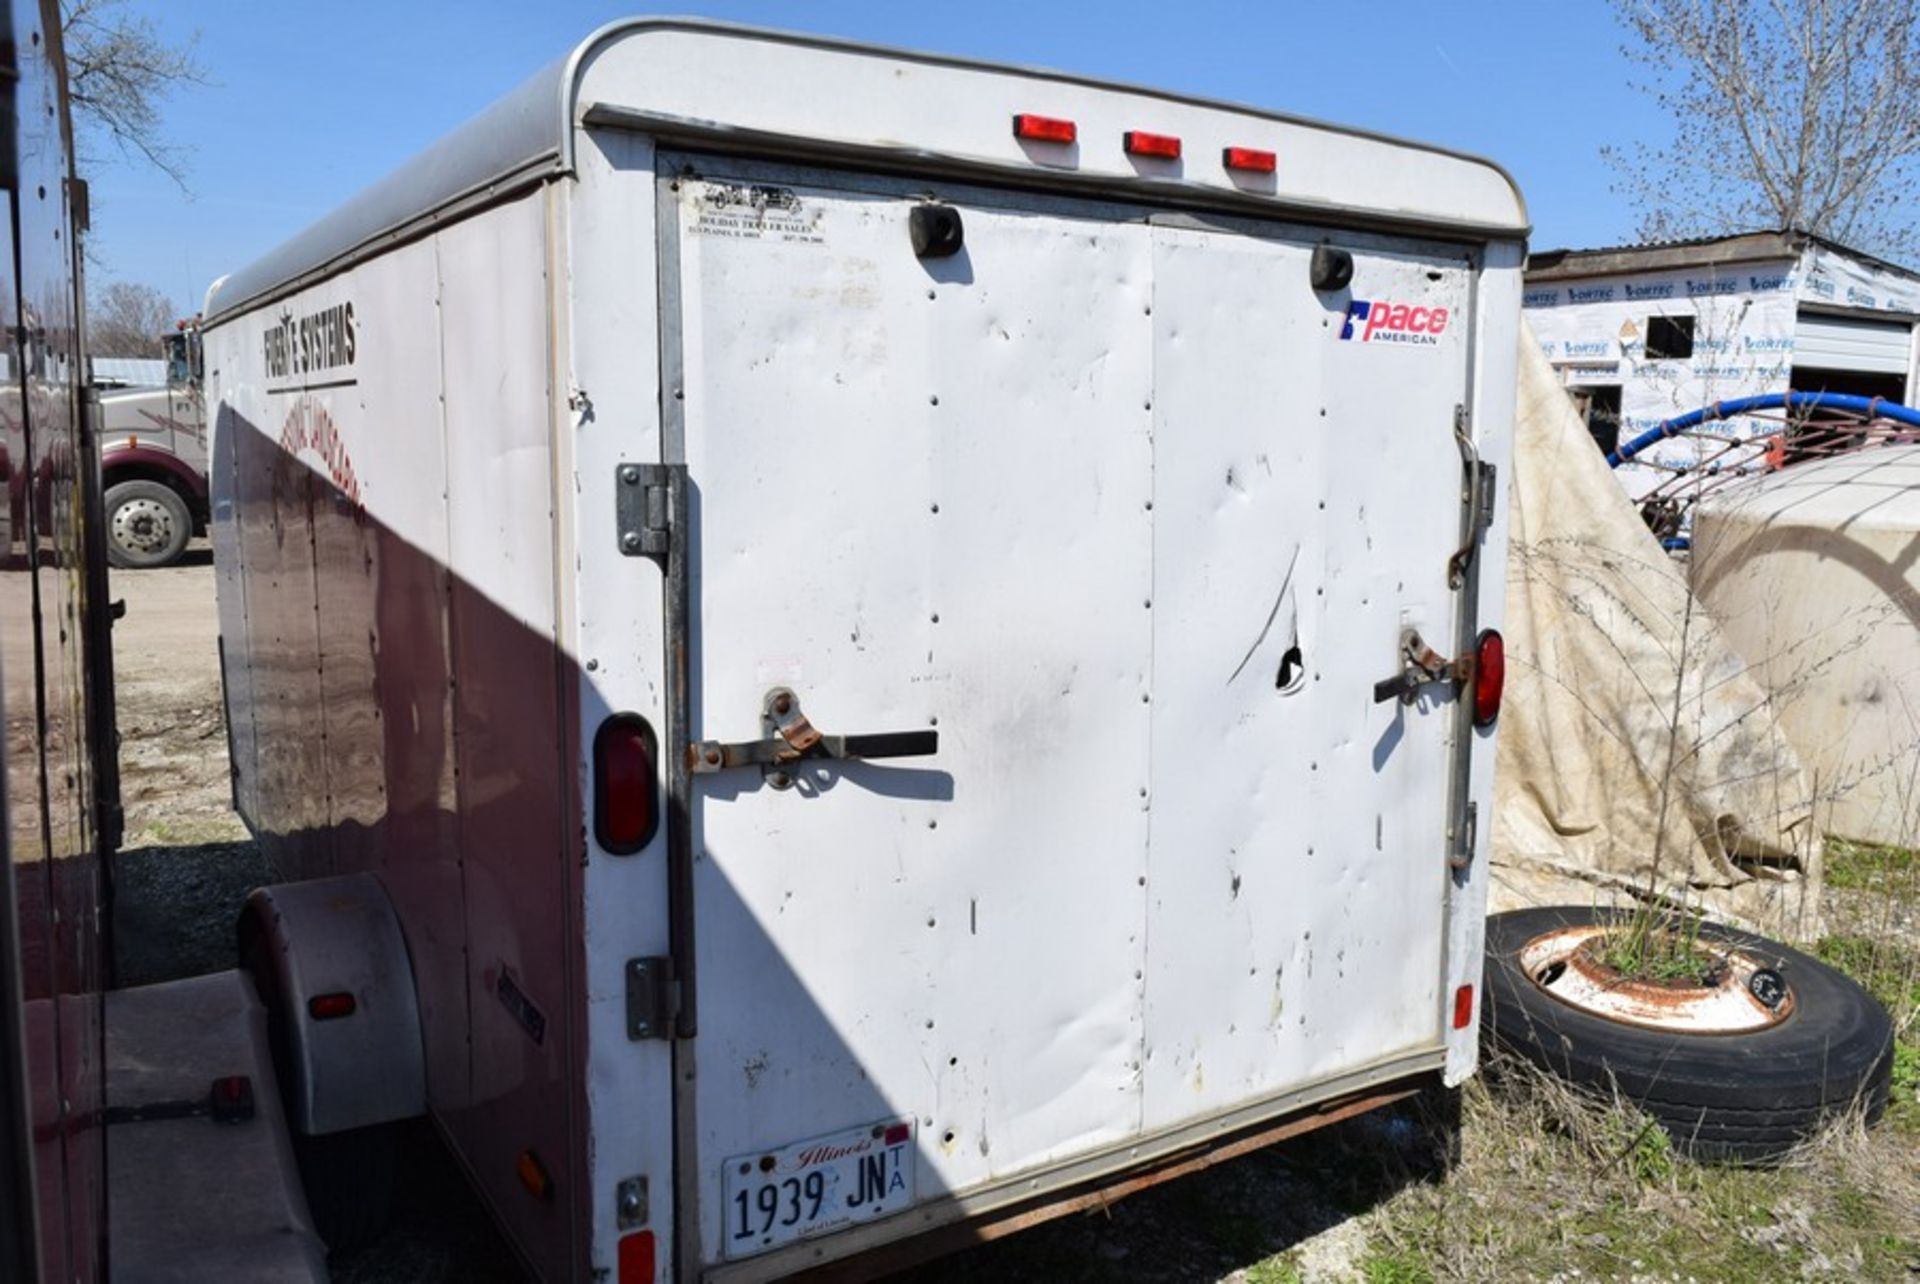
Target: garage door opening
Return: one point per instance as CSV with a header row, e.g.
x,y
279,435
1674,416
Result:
x,y
1864,356
1858,383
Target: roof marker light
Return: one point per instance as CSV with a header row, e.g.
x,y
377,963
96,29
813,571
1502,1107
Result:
x,y
1250,160
1044,129
1140,143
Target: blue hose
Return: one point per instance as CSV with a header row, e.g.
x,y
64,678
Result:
x,y
1871,407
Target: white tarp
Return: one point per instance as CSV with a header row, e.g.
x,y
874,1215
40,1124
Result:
x,y
1636,752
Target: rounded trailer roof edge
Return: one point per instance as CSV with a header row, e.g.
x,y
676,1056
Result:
x,y
516,141
576,60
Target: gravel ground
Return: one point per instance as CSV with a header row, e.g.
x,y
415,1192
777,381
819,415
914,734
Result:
x,y
188,863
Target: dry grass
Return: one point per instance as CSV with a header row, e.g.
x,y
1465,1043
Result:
x,y
1554,1185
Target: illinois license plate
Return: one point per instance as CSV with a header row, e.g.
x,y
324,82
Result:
x,y
777,1196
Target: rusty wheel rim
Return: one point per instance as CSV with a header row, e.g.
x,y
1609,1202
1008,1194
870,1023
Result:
x,y
1741,994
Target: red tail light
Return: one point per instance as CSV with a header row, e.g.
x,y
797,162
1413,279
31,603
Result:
x,y
1044,129
1140,143
626,790
1462,1007
326,1007
1489,677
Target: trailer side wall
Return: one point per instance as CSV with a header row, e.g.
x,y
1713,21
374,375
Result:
x,y
383,486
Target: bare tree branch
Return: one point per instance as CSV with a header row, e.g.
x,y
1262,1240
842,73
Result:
x,y
127,320
1788,114
120,73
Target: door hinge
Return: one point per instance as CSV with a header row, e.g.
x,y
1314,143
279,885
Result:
x,y
653,998
647,500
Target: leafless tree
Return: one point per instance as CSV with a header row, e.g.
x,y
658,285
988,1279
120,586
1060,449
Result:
x,y
1786,113
120,72
127,320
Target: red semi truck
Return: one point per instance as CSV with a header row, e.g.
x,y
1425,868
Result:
x,y
153,454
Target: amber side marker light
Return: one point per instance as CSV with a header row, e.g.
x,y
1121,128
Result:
x,y
533,1175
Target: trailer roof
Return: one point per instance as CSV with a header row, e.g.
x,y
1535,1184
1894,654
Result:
x,y
528,136
1706,251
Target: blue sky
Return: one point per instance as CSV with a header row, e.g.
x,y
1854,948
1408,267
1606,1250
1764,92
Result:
x,y
310,103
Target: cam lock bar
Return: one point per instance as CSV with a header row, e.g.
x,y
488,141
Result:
x,y
1419,665
792,738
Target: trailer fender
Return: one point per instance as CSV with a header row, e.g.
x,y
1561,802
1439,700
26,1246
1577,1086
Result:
x,y
329,960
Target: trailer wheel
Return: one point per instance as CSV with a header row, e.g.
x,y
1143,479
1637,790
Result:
x,y
148,525
348,1179
1739,1066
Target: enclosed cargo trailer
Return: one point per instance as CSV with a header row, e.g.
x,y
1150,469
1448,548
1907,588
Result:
x,y
887,643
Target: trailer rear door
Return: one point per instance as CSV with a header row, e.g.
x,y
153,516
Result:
x,y
1134,519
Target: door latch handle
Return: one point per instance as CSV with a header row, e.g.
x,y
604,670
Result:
x,y
792,738
1419,665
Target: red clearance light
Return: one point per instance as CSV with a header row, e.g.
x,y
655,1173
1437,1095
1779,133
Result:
x,y
1251,160
637,1258
1044,129
1489,677
625,786
327,1007
1139,143
1462,1007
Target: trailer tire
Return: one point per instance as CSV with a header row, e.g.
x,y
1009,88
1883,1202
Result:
x,y
1748,1096
348,1178
148,525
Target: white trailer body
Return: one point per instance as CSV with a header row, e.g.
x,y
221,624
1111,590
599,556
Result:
x,y
636,403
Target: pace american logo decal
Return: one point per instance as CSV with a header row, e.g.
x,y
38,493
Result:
x,y
1384,321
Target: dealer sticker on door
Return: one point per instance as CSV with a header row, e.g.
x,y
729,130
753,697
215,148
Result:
x,y
777,1196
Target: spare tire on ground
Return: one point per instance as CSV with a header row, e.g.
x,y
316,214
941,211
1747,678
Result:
x,y
1740,1063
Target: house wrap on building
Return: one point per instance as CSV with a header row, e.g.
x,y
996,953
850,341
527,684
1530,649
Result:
x,y
1640,334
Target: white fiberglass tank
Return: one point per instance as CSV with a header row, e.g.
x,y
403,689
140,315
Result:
x,y
1814,572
